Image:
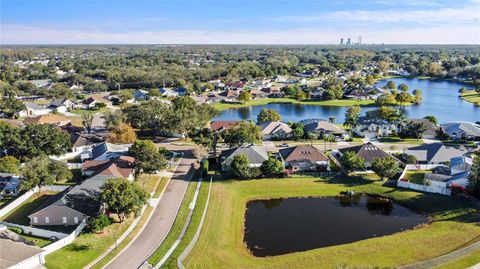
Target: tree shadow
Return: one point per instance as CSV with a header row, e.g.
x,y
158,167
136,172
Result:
x,y
78,247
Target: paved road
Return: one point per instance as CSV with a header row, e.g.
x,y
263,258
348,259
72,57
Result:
x,y
162,219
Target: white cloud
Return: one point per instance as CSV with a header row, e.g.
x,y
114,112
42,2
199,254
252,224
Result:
x,y
16,34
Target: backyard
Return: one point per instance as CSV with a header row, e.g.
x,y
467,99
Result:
x,y
221,243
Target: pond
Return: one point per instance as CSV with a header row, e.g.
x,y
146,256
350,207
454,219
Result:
x,y
440,98
281,226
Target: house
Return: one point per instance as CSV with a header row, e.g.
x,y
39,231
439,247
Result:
x,y
9,185
357,94
61,105
373,127
220,125
317,93
304,158
434,153
88,103
255,154
228,96
431,129
140,95
368,152
80,202
33,110
108,151
322,128
462,130
168,93
17,252
275,130
239,85
54,119
460,164
42,83
79,142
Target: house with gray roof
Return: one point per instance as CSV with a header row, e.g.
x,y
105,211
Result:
x,y
9,184
369,126
462,130
61,105
108,151
33,110
16,252
255,154
80,202
322,128
431,129
434,153
368,152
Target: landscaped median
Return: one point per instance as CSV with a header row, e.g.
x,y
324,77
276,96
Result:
x,y
221,243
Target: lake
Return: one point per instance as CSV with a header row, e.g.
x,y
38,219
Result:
x,y
440,98
281,226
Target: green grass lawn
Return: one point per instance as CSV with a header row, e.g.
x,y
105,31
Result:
x,y
398,140
463,262
177,226
264,101
148,182
20,214
86,247
160,187
221,242
39,241
80,112
125,242
471,96
417,177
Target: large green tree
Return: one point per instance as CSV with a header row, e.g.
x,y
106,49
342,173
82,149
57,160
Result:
x,y
351,118
385,167
41,171
245,96
473,184
122,197
148,158
244,132
240,167
272,168
351,162
267,114
9,164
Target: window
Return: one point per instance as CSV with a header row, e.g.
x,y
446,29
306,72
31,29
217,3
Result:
x,y
47,220
35,220
75,219
64,219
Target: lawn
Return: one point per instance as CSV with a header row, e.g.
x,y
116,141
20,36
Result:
x,y
471,96
221,242
20,214
39,241
86,247
161,186
463,262
416,176
265,101
148,182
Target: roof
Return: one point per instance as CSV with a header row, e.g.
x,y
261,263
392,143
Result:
x,y
431,128
15,252
228,93
9,182
273,127
469,128
255,154
119,167
323,125
368,152
33,106
57,103
89,101
105,147
364,120
46,119
303,153
78,140
434,152
222,124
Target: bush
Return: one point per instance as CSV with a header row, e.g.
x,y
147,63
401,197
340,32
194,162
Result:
x,y
411,159
100,105
16,230
99,223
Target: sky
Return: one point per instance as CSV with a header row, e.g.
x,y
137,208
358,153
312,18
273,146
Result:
x,y
239,22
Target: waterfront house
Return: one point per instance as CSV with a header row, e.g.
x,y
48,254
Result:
x,y
368,152
304,158
431,129
275,130
221,125
322,128
374,127
462,130
255,154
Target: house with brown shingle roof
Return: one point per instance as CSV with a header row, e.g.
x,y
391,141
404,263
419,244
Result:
x,y
304,158
54,119
368,152
275,130
80,202
221,125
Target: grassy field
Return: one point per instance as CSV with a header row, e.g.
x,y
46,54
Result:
x,y
20,214
462,263
127,240
86,247
265,101
417,177
221,242
471,96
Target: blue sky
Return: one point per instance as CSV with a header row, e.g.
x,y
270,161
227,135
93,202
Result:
x,y
239,22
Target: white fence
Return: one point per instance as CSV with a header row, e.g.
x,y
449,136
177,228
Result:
x,y
424,188
435,187
36,231
64,241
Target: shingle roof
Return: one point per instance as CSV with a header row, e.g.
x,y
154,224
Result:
x,y
14,252
222,124
303,153
368,152
469,128
434,152
273,127
322,125
255,154
33,106
102,148
46,119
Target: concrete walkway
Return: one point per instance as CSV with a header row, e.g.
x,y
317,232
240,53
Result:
x,y
161,221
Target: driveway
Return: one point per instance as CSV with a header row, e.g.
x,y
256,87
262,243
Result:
x,y
162,218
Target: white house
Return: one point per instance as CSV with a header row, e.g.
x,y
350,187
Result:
x,y
373,127
33,110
